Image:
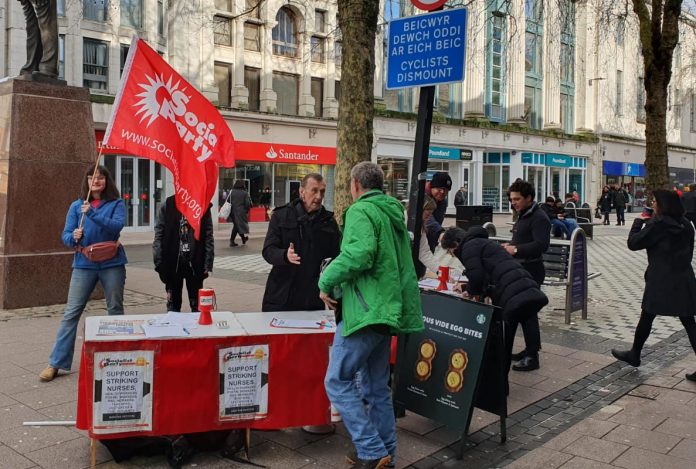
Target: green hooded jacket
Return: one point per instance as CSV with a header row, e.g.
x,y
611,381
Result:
x,y
375,268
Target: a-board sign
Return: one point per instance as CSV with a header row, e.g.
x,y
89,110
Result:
x,y
439,368
427,49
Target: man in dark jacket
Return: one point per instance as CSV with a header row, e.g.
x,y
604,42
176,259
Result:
x,y
620,200
492,272
300,236
461,197
437,188
560,224
178,256
531,236
689,202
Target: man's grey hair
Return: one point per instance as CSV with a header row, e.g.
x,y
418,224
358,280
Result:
x,y
369,175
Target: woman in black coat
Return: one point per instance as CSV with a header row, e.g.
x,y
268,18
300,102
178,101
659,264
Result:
x,y
492,272
241,203
670,285
604,203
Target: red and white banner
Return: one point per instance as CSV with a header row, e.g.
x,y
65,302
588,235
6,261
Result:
x,y
160,116
282,153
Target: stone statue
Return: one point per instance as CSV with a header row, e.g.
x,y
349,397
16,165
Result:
x,y
42,41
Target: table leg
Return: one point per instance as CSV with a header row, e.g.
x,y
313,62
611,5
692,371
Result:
x,y
248,443
93,452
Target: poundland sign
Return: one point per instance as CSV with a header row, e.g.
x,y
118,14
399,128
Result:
x,y
427,49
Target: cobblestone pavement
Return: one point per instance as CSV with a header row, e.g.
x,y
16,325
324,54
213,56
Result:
x,y
580,410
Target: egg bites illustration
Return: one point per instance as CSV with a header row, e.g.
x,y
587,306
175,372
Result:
x,y
454,379
426,351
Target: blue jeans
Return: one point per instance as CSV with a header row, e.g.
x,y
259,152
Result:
x,y
372,427
565,227
82,284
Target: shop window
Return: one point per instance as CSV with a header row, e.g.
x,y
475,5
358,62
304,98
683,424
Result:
x,y
252,82
257,177
132,13
286,87
95,68
223,81
252,36
287,180
222,30
318,47
318,95
495,65
95,10
61,56
285,40
60,7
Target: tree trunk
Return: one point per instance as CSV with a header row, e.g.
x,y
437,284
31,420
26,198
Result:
x,y
659,34
358,23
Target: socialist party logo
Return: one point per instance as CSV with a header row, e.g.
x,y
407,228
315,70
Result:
x,y
166,100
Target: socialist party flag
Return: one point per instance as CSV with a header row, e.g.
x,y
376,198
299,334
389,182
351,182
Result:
x,y
158,115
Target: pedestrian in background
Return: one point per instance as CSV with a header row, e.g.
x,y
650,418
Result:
x,y
178,256
619,202
380,297
670,285
438,188
531,236
604,204
689,202
301,234
460,198
97,219
560,225
241,203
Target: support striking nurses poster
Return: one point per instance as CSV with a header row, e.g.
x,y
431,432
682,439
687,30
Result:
x,y
244,382
123,391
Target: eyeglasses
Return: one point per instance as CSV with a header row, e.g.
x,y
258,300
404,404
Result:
x,y
98,178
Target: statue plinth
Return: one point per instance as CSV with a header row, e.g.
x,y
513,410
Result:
x,y
46,142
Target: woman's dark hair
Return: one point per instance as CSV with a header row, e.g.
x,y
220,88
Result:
x,y
110,191
239,184
669,204
523,187
605,187
551,199
452,238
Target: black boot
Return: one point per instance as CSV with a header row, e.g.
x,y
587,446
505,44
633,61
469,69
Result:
x,y
628,356
529,363
691,376
519,355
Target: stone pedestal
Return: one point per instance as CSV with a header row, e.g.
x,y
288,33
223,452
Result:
x,y
46,143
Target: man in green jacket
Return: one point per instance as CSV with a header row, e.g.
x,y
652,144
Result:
x,y
377,277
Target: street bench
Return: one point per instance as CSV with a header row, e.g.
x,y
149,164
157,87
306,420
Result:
x,y
583,216
565,262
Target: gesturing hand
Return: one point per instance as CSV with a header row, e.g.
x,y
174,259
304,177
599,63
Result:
x,y
293,258
328,301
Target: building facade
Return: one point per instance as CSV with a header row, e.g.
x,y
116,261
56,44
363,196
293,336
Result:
x,y
552,93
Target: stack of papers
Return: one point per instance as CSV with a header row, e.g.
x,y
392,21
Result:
x,y
172,324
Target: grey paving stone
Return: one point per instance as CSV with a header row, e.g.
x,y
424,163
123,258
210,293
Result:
x,y
73,454
10,459
640,438
27,439
637,458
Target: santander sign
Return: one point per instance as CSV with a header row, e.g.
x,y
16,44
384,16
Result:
x,y
282,153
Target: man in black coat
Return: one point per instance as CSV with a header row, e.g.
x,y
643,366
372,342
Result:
x,y
438,188
300,236
620,199
531,236
178,256
492,272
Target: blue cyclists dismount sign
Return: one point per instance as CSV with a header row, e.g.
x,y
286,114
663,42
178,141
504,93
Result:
x,y
427,49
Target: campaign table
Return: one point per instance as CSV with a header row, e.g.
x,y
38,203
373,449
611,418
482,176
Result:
x,y
132,385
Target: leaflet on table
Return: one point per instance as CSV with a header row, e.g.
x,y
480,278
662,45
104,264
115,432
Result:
x,y
432,284
172,324
108,327
243,382
123,391
302,323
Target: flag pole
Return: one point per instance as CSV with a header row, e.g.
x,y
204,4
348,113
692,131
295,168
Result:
x,y
89,185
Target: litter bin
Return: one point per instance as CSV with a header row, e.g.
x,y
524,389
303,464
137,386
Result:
x,y
473,215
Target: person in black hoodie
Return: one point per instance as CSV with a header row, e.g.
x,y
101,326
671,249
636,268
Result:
x,y
670,285
531,236
492,272
300,236
178,256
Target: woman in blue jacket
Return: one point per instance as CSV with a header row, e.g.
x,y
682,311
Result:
x,y
104,216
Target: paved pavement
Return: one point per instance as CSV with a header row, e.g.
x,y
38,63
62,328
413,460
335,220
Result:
x,y
580,410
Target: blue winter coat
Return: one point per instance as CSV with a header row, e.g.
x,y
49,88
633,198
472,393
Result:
x,y
101,224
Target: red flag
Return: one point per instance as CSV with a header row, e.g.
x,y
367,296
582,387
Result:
x,y
158,115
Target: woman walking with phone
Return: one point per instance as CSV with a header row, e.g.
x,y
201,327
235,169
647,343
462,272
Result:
x,y
670,285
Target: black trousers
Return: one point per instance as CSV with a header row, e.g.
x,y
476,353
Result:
x,y
645,327
175,285
620,215
528,319
42,36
